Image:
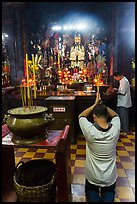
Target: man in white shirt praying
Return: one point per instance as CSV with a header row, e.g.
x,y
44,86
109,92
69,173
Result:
x,y
101,140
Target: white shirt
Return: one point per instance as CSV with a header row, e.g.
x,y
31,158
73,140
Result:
x,y
100,166
124,88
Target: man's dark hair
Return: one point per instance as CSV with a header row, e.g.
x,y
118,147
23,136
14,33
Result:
x,y
117,74
100,110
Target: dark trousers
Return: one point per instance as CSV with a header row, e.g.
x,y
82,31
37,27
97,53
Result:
x,y
123,114
99,194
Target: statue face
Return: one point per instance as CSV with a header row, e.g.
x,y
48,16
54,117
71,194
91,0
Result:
x,y
77,39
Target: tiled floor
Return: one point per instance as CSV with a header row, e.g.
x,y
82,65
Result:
x,y
125,187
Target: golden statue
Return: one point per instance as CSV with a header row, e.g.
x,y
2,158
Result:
x,y
77,53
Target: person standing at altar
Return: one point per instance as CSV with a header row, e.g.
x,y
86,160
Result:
x,y
77,53
123,100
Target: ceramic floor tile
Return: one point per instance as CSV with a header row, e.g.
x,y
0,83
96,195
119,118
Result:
x,y
125,192
120,144
80,146
39,155
131,153
41,150
127,144
132,140
49,155
122,153
19,154
119,165
80,163
81,157
133,143
122,136
78,179
81,151
81,143
78,198
73,156
120,148
73,163
122,181
121,172
50,150
28,154
79,170
78,189
125,159
17,159
23,149
132,182
117,158
130,133
130,148
130,173
72,169
133,159
73,147
73,151
131,136
128,165
125,140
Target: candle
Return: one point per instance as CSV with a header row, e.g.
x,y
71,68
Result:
x,y
34,76
27,73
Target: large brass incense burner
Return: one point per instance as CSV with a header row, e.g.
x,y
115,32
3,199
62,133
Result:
x,y
28,125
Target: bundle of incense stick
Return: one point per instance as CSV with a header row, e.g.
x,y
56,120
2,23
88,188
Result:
x,y
27,73
27,99
98,83
34,75
25,102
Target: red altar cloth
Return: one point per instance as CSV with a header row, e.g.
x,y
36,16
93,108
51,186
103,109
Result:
x,y
53,137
